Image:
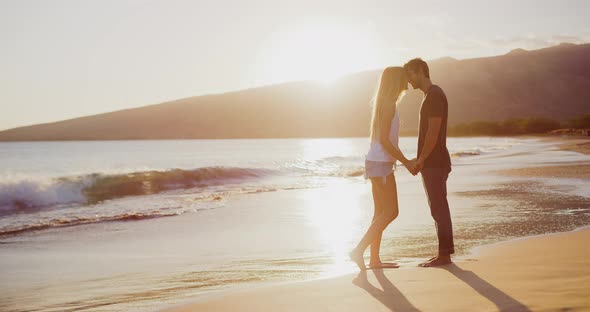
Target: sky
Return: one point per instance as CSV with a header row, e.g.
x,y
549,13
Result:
x,y
63,59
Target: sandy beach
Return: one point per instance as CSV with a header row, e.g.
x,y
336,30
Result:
x,y
537,273
547,273
576,143
579,170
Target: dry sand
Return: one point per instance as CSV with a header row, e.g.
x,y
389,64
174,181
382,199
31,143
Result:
x,y
543,273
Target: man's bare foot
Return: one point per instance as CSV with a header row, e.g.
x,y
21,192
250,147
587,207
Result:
x,y
357,257
436,261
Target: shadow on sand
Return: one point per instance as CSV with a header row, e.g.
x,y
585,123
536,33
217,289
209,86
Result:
x,y
392,298
502,300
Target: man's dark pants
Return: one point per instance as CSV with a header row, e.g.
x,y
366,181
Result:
x,y
435,185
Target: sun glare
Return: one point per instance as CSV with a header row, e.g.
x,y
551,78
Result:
x,y
319,52
315,149
335,214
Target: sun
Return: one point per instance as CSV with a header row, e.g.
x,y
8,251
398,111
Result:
x,y
321,52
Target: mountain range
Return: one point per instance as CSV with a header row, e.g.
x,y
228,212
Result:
x,y
552,82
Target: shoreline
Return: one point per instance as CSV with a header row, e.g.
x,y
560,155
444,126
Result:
x,y
257,297
476,251
578,144
474,254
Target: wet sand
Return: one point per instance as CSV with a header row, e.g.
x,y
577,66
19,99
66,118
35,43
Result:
x,y
545,273
579,144
538,273
578,171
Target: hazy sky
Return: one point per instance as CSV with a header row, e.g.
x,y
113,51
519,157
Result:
x,y
70,58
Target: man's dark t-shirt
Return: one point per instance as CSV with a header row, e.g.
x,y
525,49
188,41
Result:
x,y
435,105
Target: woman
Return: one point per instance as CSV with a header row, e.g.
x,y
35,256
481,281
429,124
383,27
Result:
x,y
380,163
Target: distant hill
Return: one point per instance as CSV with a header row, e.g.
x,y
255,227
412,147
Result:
x,y
552,82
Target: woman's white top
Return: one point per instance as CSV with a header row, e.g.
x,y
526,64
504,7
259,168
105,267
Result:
x,y
377,152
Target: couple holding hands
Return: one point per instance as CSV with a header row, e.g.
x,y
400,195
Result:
x,y
432,161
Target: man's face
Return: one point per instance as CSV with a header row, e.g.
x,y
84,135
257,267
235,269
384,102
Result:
x,y
413,78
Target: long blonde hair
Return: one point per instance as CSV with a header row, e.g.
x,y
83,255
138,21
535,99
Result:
x,y
392,86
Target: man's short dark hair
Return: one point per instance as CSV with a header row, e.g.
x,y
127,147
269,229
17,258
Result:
x,y
416,65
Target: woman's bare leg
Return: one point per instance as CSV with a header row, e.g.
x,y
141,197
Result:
x,y
387,198
378,201
380,222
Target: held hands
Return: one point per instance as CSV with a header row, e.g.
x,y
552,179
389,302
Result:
x,y
414,166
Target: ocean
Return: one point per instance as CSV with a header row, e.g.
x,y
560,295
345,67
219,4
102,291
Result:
x,y
56,184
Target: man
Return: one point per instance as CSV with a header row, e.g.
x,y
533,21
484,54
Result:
x,y
433,160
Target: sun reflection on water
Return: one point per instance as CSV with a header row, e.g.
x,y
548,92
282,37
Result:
x,y
314,149
337,215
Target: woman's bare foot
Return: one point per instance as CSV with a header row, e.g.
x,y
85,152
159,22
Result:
x,y
357,257
382,265
436,261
